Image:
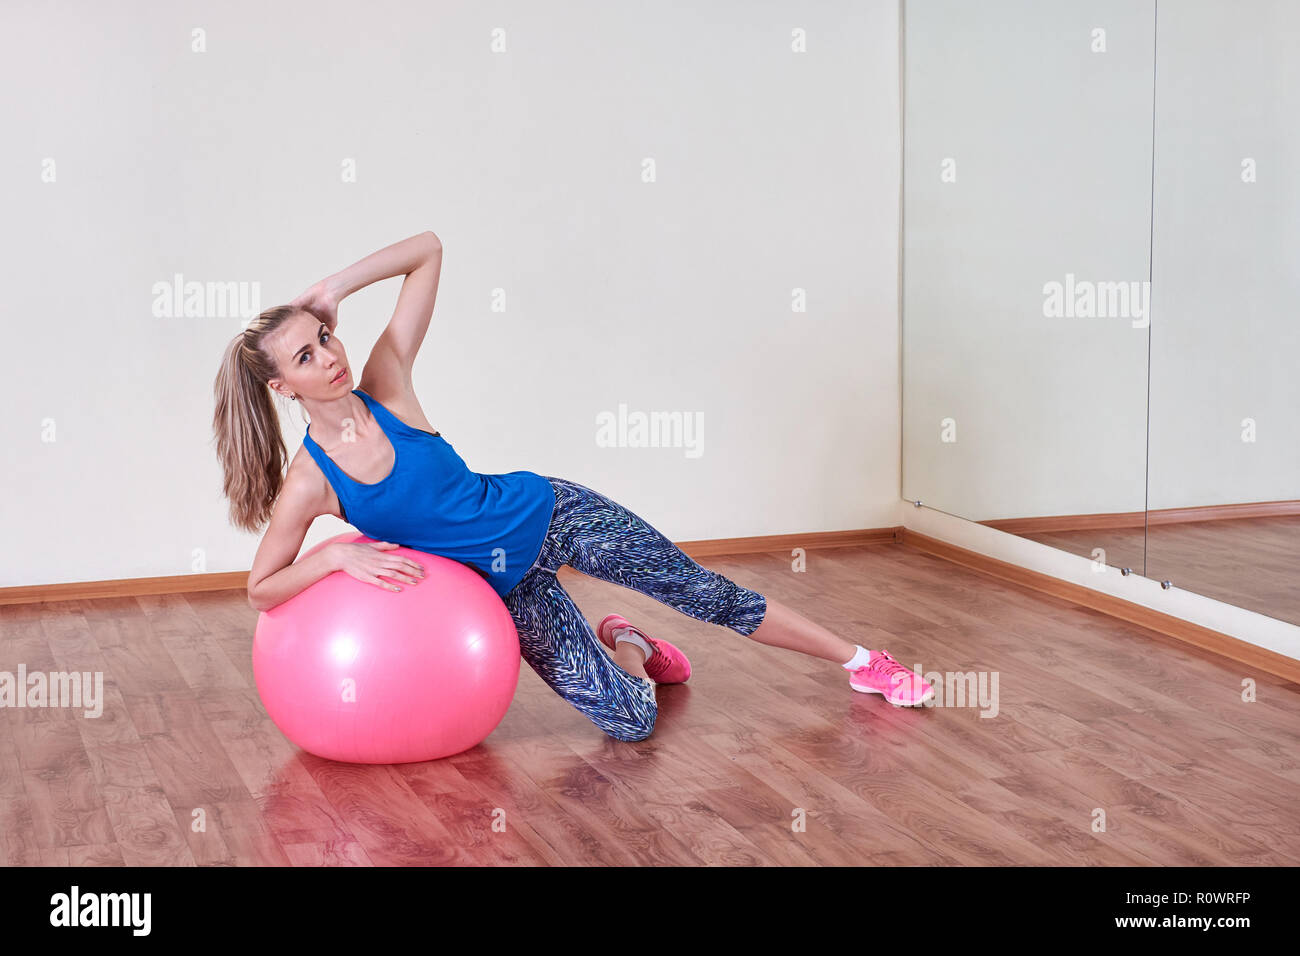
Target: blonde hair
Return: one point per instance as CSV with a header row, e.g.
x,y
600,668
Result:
x,y
247,429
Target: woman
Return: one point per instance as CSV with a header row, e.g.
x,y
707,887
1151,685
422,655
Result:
x,y
374,460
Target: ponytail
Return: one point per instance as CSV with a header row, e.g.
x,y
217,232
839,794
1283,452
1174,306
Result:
x,y
246,427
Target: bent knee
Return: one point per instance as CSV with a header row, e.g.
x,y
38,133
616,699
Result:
x,y
632,737
639,730
745,613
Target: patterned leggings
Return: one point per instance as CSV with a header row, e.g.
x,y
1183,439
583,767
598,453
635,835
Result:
x,y
599,537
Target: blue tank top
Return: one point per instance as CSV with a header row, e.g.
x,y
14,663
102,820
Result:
x,y
432,502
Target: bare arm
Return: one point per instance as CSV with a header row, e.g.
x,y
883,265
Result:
x,y
275,576
419,258
393,356
399,259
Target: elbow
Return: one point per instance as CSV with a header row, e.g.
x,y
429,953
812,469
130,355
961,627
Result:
x,y
255,602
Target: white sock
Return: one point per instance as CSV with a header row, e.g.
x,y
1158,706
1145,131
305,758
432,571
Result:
x,y
861,659
627,634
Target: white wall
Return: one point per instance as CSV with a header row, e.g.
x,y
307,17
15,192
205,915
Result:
x,y
776,171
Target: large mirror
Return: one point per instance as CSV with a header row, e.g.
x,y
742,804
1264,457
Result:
x,y
1224,517
1026,257
1101,253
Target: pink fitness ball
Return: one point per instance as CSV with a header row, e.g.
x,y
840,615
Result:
x,y
352,672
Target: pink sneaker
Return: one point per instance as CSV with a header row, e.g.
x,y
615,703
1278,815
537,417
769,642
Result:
x,y
667,665
884,675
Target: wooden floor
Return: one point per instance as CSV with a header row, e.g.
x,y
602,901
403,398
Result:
x,y
1093,716
1253,563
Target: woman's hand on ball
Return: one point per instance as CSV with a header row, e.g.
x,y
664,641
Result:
x,y
367,560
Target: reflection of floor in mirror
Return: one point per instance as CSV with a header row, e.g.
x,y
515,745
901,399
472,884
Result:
x,y
1120,547
1058,736
1252,563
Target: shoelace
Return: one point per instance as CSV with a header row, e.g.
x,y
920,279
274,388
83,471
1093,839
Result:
x,y
886,666
657,665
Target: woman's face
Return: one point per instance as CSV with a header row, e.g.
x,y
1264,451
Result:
x,y
312,362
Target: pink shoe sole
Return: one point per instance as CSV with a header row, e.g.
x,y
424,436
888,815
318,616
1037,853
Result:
x,y
668,665
885,676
